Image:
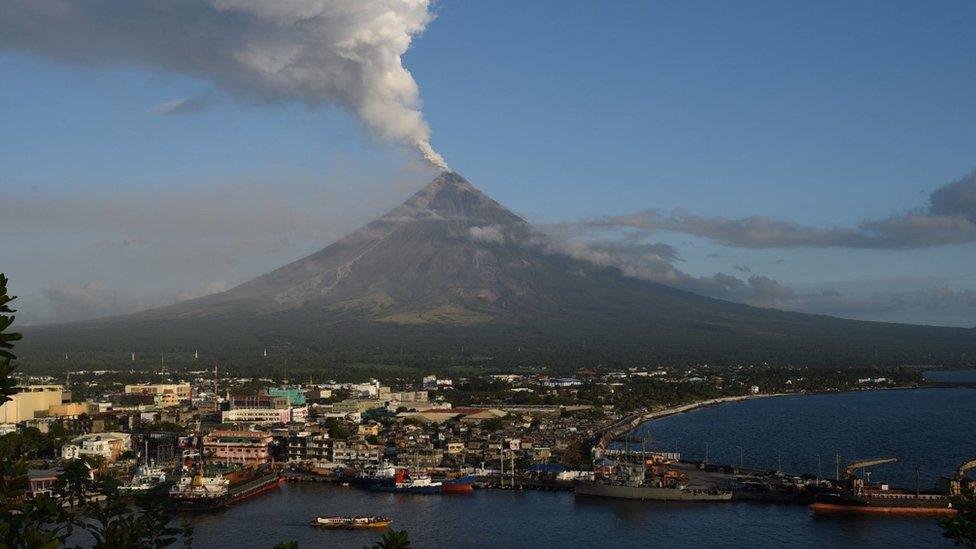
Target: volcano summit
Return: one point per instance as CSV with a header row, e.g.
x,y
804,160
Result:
x,y
451,272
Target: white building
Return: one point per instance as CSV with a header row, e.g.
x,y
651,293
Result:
x,y
105,445
265,415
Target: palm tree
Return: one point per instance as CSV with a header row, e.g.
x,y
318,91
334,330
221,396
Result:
x,y
392,539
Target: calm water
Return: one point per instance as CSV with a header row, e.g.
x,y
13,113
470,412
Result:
x,y
956,376
933,427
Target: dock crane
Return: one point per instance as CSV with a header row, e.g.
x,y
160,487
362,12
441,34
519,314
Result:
x,y
955,484
855,483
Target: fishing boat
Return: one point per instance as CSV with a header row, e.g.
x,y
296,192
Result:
x,y
412,483
352,523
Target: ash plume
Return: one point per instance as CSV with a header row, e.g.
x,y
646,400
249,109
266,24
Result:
x,y
315,52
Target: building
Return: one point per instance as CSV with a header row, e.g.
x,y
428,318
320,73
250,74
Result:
x,y
245,447
431,382
455,448
355,452
41,482
320,449
424,458
266,402
318,393
108,446
354,405
371,428
265,415
31,401
410,397
562,382
165,394
307,446
295,395
71,409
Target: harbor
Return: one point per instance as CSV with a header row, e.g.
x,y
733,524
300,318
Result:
x,y
557,516
389,453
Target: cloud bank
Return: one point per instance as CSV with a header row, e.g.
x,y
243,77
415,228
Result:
x,y
315,52
948,218
657,263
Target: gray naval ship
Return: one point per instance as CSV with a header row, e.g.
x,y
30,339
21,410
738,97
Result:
x,y
630,481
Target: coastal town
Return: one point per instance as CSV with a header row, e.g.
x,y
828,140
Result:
x,y
453,433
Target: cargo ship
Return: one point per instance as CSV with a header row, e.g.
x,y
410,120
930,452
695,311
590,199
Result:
x,y
412,483
630,482
856,495
204,491
352,523
459,485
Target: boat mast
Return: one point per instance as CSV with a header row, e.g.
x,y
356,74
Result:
x,y
501,474
916,481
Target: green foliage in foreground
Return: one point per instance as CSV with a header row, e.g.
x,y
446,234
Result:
x,y
961,528
392,539
81,502
7,383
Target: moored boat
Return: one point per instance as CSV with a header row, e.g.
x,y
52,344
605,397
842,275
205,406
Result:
x,y
352,523
630,482
856,495
207,491
146,478
412,483
648,493
457,485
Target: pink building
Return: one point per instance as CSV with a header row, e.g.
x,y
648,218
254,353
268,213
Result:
x,y
244,447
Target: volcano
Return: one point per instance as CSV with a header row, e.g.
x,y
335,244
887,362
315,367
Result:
x,y
452,273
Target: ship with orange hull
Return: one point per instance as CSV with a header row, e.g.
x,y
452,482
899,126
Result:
x,y
883,501
857,495
822,507
204,492
459,485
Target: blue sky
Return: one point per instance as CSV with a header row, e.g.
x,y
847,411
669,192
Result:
x,y
825,114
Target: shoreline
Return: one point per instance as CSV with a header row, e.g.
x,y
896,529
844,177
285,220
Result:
x,y
634,423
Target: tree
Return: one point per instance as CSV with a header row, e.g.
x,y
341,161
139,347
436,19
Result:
x,y
336,428
961,528
7,382
21,522
48,520
392,539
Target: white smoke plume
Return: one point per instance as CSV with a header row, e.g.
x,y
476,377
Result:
x,y
316,52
